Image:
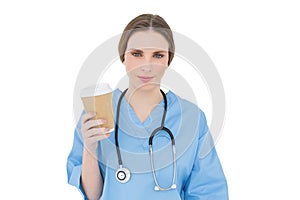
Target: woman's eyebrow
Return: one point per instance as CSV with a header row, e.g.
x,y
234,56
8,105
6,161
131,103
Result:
x,y
137,50
141,51
161,51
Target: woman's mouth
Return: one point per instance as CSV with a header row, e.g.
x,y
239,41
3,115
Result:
x,y
145,79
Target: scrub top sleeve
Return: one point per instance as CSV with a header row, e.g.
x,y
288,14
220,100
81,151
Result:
x,y
74,162
206,180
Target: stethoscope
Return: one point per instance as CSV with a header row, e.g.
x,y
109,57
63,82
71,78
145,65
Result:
x,y
123,174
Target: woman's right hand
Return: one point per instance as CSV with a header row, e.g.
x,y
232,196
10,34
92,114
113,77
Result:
x,y
91,133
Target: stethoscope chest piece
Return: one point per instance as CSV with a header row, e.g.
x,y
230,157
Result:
x,y
123,175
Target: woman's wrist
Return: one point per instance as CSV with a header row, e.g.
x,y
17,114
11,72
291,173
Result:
x,y
90,152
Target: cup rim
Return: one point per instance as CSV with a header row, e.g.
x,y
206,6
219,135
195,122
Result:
x,y
95,90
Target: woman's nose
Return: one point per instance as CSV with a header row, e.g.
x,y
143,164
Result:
x,y
147,64
146,67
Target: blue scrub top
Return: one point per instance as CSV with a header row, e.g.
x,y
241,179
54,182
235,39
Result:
x,y
199,174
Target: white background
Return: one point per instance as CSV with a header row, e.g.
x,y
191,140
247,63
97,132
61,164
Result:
x,y
255,46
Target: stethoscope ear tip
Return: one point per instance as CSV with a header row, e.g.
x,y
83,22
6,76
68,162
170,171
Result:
x,y
173,186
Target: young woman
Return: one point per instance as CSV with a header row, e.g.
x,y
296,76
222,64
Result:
x,y
156,149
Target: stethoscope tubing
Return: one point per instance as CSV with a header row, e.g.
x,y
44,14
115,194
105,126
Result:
x,y
125,171
117,128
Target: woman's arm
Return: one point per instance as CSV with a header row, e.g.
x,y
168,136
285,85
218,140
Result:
x,y
206,180
91,179
82,166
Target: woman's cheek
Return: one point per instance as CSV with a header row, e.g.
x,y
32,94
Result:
x,y
132,64
163,61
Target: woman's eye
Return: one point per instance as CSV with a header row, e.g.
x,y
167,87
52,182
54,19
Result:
x,y
136,54
158,55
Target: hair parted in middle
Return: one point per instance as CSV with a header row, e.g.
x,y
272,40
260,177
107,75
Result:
x,y
146,22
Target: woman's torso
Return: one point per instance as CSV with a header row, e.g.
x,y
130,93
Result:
x,y
182,119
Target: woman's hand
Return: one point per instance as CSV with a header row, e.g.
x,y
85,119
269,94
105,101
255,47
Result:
x,y
91,132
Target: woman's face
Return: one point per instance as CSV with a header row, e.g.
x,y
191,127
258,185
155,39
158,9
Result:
x,y
146,59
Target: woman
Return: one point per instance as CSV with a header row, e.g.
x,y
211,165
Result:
x,y
147,119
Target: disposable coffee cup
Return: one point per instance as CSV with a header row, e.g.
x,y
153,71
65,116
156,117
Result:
x,y
98,99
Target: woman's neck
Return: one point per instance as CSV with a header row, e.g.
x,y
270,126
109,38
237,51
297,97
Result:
x,y
144,97
143,101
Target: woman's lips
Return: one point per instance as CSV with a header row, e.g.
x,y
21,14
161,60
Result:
x,y
145,79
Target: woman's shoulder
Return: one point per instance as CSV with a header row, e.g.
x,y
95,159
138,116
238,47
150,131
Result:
x,y
188,112
183,102
116,92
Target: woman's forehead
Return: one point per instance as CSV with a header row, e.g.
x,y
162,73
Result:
x,y
147,40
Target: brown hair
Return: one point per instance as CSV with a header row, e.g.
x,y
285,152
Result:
x,y
145,22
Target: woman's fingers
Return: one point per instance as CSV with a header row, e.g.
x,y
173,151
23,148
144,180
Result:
x,y
93,123
96,131
87,116
95,138
91,132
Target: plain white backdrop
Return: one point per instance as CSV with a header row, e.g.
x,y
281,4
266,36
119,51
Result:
x,y
255,46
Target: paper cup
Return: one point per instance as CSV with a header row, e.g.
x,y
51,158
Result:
x,y
98,99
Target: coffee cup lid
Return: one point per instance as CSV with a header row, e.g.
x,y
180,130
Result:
x,y
95,90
